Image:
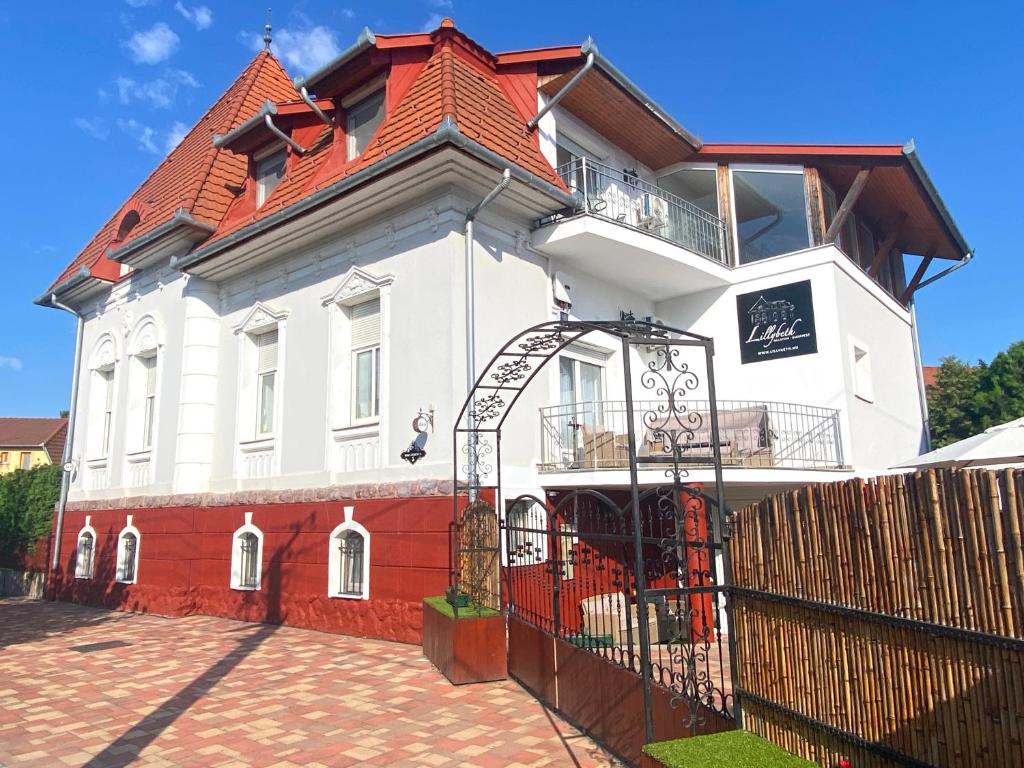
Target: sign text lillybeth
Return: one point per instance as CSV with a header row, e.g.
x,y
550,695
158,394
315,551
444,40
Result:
x,y
776,323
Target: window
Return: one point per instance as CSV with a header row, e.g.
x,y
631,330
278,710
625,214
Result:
x,y
269,171
863,387
105,379
361,122
146,394
365,332
247,556
349,560
26,460
266,375
86,554
865,244
128,553
770,213
698,186
4,457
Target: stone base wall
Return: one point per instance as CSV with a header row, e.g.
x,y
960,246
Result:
x,y
185,558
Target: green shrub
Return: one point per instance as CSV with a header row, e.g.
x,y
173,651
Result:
x,y
26,507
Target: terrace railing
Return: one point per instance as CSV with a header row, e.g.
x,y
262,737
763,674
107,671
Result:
x,y
621,197
592,435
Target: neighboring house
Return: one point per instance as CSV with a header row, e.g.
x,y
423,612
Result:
x,y
271,310
28,443
928,374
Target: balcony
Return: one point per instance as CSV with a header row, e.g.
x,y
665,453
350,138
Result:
x,y
621,220
593,435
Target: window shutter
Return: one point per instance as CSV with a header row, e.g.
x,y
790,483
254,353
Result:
x,y
267,345
366,324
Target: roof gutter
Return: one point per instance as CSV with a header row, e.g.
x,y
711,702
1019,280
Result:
x,y
181,219
67,467
633,90
68,284
267,109
910,152
365,41
587,66
446,133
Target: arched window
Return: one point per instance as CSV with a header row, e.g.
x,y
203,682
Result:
x,y
247,556
85,556
349,560
128,553
101,399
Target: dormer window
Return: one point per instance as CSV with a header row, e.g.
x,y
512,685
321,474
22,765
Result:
x,y
269,170
362,120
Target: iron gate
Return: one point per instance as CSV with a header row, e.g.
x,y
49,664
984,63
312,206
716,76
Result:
x,y
638,576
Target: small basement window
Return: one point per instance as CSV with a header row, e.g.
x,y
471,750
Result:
x,y
128,554
361,121
269,171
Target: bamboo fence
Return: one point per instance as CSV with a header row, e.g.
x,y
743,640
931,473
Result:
x,y
882,620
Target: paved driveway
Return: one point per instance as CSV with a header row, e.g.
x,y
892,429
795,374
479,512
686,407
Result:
x,y
202,691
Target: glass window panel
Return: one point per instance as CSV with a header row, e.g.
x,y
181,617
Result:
x,y
770,212
362,120
365,379
266,404
269,172
865,244
698,186
566,381
350,581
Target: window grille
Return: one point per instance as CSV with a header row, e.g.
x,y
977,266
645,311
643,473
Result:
x,y
85,552
129,546
249,571
350,578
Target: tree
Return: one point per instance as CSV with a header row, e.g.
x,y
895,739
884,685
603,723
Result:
x,y
968,399
1001,388
26,507
952,401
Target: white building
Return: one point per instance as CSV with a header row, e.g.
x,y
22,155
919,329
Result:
x,y
265,318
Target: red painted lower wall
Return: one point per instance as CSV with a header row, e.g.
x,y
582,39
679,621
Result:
x,y
185,563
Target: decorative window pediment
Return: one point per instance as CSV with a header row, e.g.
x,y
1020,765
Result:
x,y
146,337
104,354
356,285
260,319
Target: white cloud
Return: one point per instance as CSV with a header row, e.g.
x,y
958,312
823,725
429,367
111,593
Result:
x,y
175,135
95,127
303,50
13,363
158,93
433,22
348,13
154,45
143,134
139,3
441,3
200,16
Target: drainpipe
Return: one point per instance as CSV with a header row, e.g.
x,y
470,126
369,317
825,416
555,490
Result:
x,y
922,391
304,94
69,439
506,179
587,65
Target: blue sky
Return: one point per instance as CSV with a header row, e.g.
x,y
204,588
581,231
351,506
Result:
x,y
97,92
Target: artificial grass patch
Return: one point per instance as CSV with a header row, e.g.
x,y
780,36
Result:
x,y
729,749
471,611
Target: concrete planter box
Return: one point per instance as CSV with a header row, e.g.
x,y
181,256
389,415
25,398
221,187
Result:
x,y
469,649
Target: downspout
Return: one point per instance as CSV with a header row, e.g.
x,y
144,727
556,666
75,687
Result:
x,y
587,65
506,179
922,391
948,271
69,439
316,110
269,120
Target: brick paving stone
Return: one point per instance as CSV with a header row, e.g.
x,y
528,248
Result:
x,y
202,691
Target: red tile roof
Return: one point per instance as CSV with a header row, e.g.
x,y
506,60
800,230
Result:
x,y
34,433
194,176
928,373
451,84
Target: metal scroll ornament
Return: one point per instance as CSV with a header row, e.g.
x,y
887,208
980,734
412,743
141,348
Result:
x,y
669,420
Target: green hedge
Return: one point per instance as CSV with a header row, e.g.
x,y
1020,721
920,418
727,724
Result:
x,y
471,611
729,749
26,507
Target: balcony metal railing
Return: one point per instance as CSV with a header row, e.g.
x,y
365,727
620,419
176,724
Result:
x,y
592,435
621,197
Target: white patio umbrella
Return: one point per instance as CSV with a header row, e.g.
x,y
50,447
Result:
x,y
1001,444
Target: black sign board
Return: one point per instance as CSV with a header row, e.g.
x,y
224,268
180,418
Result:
x,y
776,322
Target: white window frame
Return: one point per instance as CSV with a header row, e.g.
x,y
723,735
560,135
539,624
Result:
x,y
860,369
236,555
266,430
86,570
765,168
706,167
351,105
356,287
260,319
146,344
334,558
374,350
262,158
120,573
102,402
25,460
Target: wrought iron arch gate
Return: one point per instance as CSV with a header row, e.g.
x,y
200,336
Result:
x,y
637,577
